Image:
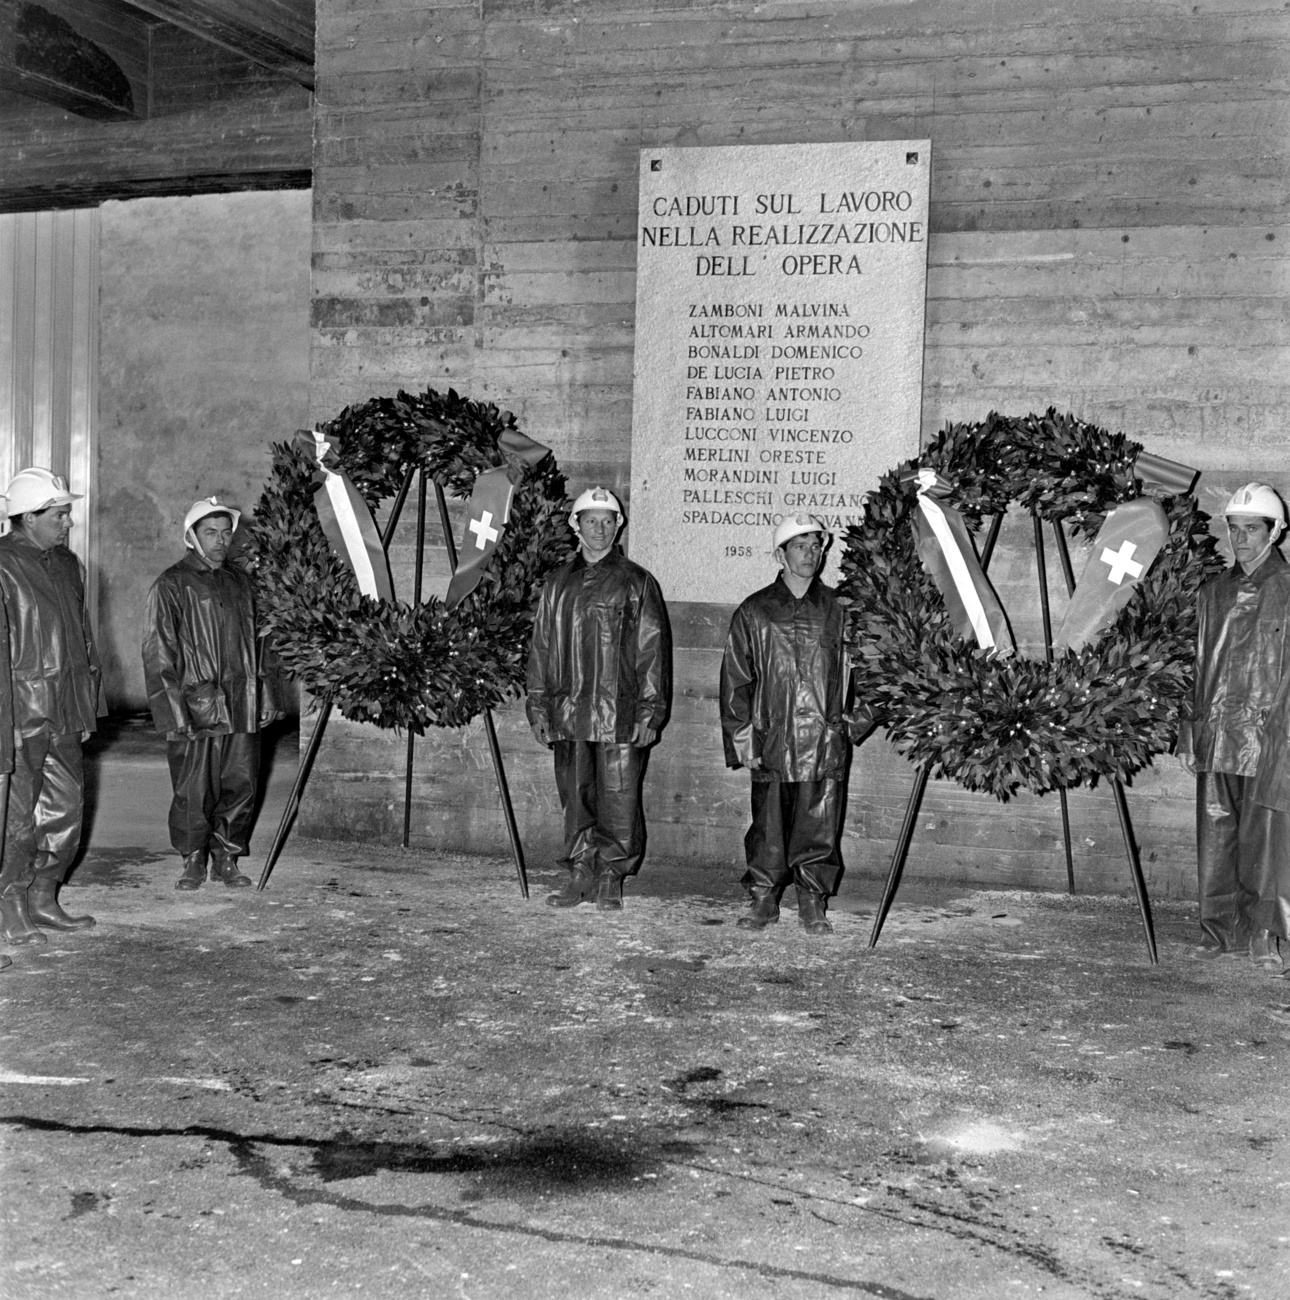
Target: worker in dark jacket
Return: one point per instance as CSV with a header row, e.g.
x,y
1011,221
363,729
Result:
x,y
7,735
201,669
1234,740
783,693
599,689
55,683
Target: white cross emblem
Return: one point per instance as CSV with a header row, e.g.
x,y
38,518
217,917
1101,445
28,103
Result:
x,y
485,532
1121,562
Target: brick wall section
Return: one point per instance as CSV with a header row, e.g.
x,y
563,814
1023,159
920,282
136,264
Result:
x,y
1107,205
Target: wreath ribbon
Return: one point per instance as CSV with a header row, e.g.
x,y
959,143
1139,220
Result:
x,y
945,548
347,522
1124,550
489,511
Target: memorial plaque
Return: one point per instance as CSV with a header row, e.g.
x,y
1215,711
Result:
x,y
779,348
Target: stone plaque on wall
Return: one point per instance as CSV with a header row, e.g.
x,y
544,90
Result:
x,y
779,348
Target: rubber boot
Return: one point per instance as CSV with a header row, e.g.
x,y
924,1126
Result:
x,y
763,912
44,910
1264,951
810,913
225,869
15,924
194,871
609,893
573,891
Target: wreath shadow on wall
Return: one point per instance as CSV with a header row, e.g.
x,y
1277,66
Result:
x,y
1002,723
394,664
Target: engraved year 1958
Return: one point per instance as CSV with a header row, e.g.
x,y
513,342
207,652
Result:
x,y
738,551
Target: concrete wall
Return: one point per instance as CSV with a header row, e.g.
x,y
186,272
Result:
x,y
1108,193
204,360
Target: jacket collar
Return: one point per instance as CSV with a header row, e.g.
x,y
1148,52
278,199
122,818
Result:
x,y
195,562
1273,565
785,595
17,538
614,557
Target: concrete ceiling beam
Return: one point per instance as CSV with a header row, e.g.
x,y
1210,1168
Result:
x,y
276,34
43,56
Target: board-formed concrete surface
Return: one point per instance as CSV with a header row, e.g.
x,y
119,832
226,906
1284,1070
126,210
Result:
x,y
388,1075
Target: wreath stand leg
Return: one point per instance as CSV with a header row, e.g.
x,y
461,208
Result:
x,y
416,584
1117,787
898,858
1048,658
924,772
324,712
902,852
499,769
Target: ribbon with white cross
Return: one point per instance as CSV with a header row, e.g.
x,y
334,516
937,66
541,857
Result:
x,y
1123,551
486,519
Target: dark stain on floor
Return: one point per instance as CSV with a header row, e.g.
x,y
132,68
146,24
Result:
x,y
87,1203
130,867
541,1163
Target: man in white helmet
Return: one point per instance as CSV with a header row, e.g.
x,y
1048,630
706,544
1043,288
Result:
x,y
7,736
783,692
201,666
55,684
599,690
1235,743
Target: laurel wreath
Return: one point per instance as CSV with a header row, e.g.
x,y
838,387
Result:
x,y
1001,723
397,664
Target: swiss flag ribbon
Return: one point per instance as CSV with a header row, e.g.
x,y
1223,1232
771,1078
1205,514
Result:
x,y
348,525
1124,549
486,518
945,548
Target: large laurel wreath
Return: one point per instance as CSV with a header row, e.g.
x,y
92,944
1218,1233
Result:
x,y
399,665
1002,723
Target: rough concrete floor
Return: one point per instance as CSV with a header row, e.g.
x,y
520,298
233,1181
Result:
x,y
388,1075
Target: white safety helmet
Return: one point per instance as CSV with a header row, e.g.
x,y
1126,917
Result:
x,y
595,498
795,525
37,489
1258,499
198,511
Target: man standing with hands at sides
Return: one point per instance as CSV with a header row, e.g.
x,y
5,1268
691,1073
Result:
x,y
7,736
54,675
1237,739
783,692
599,690
201,669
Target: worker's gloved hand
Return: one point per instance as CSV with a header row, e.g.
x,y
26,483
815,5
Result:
x,y
1187,762
541,732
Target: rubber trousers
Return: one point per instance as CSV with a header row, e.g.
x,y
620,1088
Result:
x,y
600,792
46,806
1243,861
794,837
214,780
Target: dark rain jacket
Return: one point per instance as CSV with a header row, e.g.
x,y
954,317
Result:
x,y
600,660
784,684
53,662
6,698
199,651
1242,660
